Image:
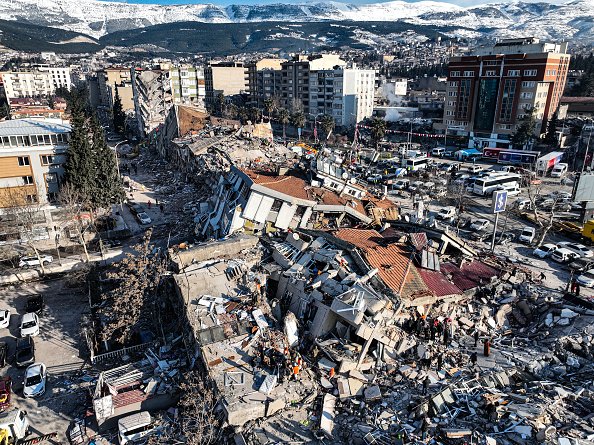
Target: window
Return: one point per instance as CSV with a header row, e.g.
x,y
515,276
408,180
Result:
x,y
24,160
528,84
507,99
31,199
526,95
551,72
453,84
490,73
513,73
28,180
454,73
530,73
468,73
452,93
464,100
451,103
51,178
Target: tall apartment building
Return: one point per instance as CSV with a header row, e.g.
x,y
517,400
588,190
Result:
x,y
108,79
324,84
37,81
228,78
265,78
32,154
346,94
152,98
489,92
295,77
187,84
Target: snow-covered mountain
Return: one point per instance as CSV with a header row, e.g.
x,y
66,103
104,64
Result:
x,y
572,19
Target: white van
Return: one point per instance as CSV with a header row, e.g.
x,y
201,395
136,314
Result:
x,y
563,255
438,151
134,427
559,170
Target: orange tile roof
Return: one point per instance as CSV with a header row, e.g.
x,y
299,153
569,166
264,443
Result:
x,y
391,260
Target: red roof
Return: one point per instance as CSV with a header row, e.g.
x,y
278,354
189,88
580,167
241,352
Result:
x,y
392,260
438,283
470,275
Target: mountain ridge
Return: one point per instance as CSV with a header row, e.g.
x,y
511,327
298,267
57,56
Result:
x,y
572,19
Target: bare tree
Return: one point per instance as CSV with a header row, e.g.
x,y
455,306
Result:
x,y
24,216
542,216
199,420
74,203
131,303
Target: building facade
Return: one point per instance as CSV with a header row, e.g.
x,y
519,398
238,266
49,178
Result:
x,y
38,81
187,84
108,79
264,78
226,78
152,98
32,154
490,92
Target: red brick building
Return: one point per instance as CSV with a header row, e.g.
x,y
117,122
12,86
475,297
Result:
x,y
489,93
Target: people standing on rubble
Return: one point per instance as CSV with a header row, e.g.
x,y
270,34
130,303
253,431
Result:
x,y
161,207
426,383
476,338
446,336
439,361
432,331
473,359
424,428
542,277
486,347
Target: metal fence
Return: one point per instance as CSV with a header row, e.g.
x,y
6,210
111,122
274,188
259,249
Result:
x,y
118,353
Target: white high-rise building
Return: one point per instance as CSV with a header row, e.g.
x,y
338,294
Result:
x,y
38,81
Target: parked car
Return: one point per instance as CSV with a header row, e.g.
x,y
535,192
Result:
x,y
401,184
527,235
29,325
563,255
587,278
578,248
25,352
545,250
4,318
35,304
446,213
35,380
501,238
559,170
480,224
134,427
475,168
32,261
136,209
5,392
523,204
143,218
374,179
581,264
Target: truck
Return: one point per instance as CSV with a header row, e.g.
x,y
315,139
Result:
x,y
545,163
14,428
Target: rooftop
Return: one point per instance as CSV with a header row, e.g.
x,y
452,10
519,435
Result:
x,y
23,127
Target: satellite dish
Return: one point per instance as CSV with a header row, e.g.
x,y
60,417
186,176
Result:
x,y
345,175
295,236
353,180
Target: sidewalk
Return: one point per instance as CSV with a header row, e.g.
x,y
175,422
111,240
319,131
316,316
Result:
x,y
68,264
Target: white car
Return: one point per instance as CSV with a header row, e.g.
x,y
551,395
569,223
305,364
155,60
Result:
x,y
4,318
545,250
480,224
587,278
143,218
527,235
523,204
30,325
32,261
446,213
563,255
35,380
578,248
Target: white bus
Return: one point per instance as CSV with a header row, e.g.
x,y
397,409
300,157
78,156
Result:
x,y
414,164
486,185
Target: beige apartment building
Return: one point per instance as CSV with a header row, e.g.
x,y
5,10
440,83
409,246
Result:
x,y
228,78
265,79
108,79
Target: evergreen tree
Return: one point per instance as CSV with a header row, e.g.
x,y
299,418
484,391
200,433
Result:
x,y
378,130
106,182
79,168
4,111
524,131
327,123
119,117
283,117
551,136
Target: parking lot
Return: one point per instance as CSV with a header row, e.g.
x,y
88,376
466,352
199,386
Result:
x,y
58,346
558,276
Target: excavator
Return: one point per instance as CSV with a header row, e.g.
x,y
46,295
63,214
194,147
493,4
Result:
x,y
7,439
